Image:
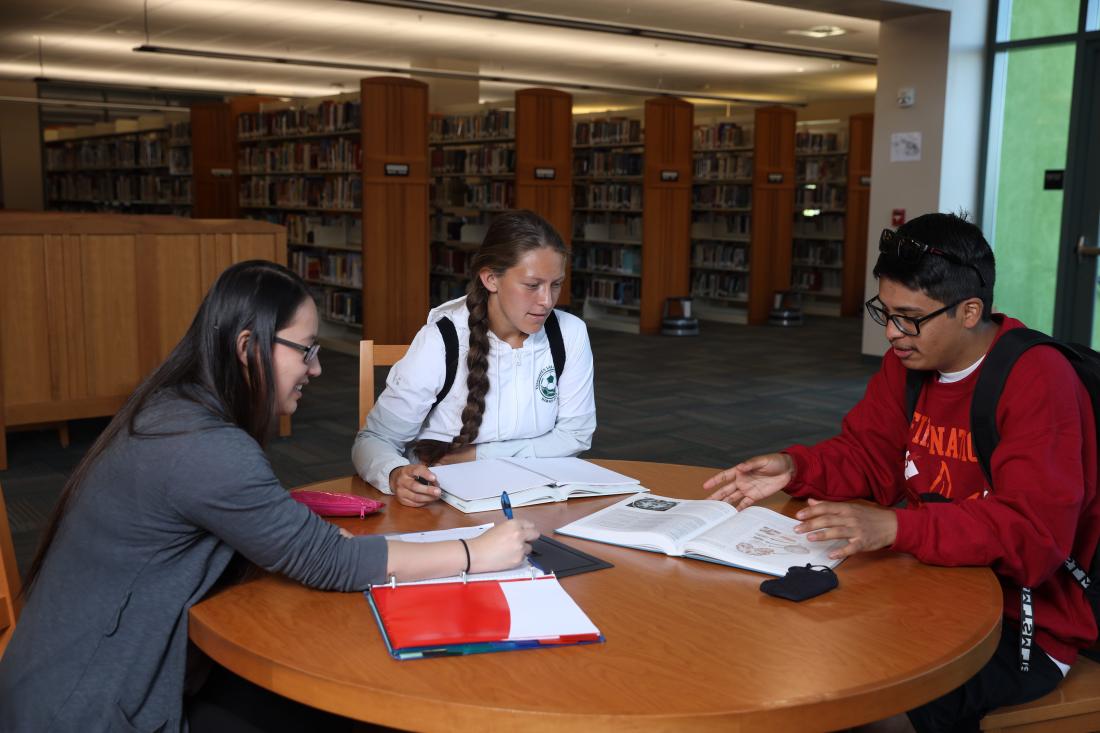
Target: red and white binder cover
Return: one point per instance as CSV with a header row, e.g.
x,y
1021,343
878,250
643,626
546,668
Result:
x,y
456,618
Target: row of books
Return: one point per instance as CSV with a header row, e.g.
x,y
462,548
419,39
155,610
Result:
x,y
607,227
139,150
833,168
322,230
825,225
442,289
724,285
608,163
711,196
331,268
335,304
119,187
720,225
494,123
817,253
179,161
608,196
450,261
459,228
608,131
722,256
179,133
722,165
302,156
326,116
825,282
722,135
613,292
314,192
460,193
617,260
821,196
486,160
809,141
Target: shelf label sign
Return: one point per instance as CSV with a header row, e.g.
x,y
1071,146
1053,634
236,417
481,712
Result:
x,y
546,173
865,180
397,169
221,172
670,175
775,178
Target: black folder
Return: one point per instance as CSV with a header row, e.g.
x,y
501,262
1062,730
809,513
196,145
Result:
x,y
549,555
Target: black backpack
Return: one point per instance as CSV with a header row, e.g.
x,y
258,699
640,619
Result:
x,y
450,344
983,428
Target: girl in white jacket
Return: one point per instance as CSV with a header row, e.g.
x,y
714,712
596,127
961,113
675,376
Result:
x,y
507,399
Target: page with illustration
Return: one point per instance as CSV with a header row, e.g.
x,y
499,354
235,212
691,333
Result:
x,y
651,522
760,539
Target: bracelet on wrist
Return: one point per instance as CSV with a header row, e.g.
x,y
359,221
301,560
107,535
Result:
x,y
467,549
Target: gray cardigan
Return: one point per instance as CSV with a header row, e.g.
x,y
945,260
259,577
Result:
x,y
102,641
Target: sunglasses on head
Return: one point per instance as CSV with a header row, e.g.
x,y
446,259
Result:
x,y
910,250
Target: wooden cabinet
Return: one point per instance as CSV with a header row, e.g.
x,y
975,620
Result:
x,y
90,304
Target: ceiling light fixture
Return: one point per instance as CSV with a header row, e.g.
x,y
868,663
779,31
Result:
x,y
51,102
444,74
818,31
475,11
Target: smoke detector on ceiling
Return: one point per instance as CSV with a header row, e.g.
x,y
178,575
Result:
x,y
819,31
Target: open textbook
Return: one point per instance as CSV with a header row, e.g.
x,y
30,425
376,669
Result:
x,y
754,539
476,486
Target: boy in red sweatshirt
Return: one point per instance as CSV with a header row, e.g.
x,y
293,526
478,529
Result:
x,y
931,498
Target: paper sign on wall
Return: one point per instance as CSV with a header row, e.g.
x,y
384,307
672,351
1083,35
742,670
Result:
x,y
904,147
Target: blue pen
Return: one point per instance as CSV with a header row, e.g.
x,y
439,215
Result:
x,y
506,504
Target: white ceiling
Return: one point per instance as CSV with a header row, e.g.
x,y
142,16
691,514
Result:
x,y
93,42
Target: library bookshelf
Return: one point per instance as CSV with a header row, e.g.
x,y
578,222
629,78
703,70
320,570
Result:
x,y
721,218
632,214
829,233
134,166
490,161
314,166
299,165
473,170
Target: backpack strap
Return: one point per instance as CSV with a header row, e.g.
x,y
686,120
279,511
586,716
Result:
x,y
450,348
991,382
914,383
557,344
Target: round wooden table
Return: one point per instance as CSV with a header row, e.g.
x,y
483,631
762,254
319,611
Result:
x,y
690,645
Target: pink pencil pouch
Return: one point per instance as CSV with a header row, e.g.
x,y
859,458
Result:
x,y
329,504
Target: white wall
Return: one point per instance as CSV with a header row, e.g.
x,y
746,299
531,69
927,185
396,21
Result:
x,y
940,55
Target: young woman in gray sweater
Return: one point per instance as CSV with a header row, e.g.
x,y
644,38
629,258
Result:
x,y
175,486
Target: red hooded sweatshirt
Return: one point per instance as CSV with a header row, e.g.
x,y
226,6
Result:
x,y
1041,509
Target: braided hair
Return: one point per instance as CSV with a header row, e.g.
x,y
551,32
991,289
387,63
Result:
x,y
509,238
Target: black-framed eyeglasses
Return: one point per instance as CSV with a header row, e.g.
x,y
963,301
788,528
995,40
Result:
x,y
310,352
908,325
910,250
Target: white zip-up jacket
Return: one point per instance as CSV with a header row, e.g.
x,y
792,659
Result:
x,y
526,413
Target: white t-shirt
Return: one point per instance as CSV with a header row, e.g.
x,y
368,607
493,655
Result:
x,y
528,411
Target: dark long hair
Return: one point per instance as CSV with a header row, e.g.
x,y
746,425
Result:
x,y
509,238
259,296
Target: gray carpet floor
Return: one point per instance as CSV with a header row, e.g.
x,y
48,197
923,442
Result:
x,y
728,394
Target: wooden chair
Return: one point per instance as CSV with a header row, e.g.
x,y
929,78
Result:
x,y
370,356
1072,708
10,602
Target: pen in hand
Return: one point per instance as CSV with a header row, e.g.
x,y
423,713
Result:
x,y
506,505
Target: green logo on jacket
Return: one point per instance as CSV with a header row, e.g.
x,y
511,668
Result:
x,y
548,384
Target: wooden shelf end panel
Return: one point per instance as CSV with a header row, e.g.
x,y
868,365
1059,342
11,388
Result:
x,y
394,130
395,261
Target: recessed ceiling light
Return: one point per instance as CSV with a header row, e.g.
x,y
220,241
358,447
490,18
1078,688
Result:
x,y
819,31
